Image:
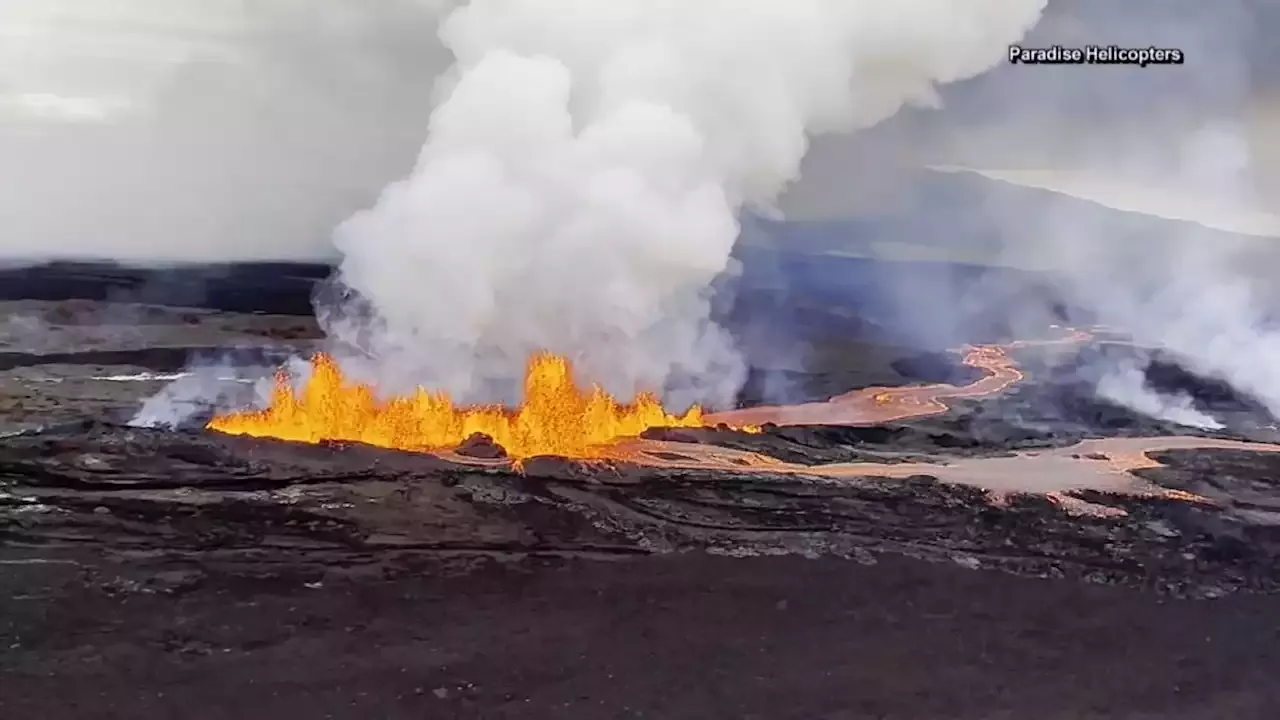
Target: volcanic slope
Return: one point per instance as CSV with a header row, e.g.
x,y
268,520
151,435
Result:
x,y
101,521
862,483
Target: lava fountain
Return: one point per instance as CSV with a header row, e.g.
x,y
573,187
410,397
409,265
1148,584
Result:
x,y
557,416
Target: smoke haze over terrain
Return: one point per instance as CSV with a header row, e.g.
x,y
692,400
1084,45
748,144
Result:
x,y
1187,143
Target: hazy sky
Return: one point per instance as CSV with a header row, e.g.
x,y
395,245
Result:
x,y
254,126
1122,135
86,53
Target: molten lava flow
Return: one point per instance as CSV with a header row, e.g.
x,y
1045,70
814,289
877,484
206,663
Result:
x,y
877,405
557,418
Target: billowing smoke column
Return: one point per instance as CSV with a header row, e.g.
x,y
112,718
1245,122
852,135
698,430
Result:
x,y
580,187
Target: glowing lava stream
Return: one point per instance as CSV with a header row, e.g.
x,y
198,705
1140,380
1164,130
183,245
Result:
x,y
876,405
556,417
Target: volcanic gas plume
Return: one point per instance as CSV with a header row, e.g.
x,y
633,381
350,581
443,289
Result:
x,y
581,181
579,192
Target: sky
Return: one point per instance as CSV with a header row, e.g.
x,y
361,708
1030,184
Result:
x,y
252,128
204,129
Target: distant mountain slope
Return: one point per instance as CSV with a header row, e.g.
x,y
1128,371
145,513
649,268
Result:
x,y
954,254
969,218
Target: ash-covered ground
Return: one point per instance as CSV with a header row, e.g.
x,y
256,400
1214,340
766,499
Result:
x,y
154,573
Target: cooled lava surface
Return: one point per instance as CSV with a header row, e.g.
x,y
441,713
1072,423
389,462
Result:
x,y
242,504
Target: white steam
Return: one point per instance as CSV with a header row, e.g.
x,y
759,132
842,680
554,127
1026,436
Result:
x,y
1199,294
220,386
580,187
1127,386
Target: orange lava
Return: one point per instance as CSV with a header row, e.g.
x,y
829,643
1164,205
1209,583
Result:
x,y
556,418
877,405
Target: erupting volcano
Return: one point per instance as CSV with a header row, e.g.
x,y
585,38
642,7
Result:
x,y
557,417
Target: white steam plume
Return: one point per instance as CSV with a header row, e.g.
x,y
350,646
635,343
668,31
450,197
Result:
x,y
1127,386
580,187
1206,297
220,386
1199,294
1200,299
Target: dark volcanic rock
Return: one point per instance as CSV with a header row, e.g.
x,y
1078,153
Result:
x,y
283,288
1069,409
1233,479
296,508
160,359
481,446
976,432
1167,377
937,368
811,445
